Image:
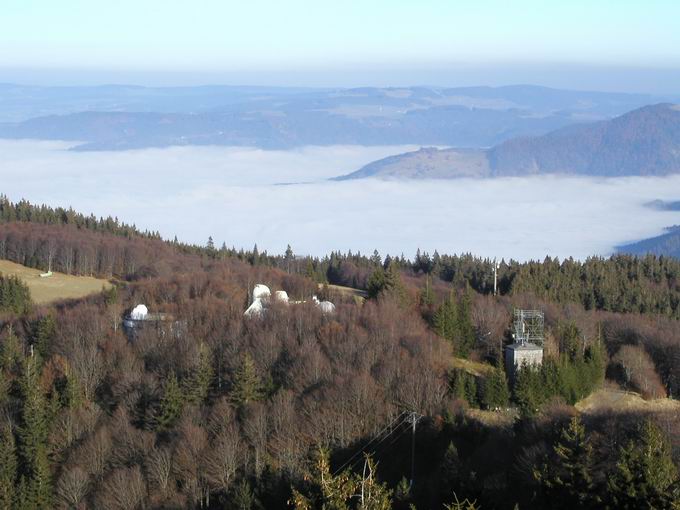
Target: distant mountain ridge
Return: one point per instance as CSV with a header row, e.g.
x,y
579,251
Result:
x,y
127,117
643,142
667,244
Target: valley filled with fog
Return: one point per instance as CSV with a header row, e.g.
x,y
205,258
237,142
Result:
x,y
244,196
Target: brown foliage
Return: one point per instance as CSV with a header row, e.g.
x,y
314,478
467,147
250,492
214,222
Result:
x,y
638,371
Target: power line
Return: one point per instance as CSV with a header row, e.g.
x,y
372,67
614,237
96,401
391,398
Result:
x,y
401,419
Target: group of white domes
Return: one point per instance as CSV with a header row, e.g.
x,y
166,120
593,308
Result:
x,y
262,296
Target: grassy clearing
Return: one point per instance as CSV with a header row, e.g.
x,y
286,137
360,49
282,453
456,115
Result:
x,y
475,368
58,286
611,399
358,294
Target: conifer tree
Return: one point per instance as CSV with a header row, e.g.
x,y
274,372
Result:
x,y
14,295
376,282
8,467
527,389
247,385
288,257
466,330
645,475
73,394
426,295
495,392
470,389
42,334
451,471
171,404
446,319
243,497
200,381
458,385
11,353
33,435
567,478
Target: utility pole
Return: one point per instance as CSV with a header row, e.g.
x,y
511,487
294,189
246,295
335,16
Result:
x,y
414,420
495,277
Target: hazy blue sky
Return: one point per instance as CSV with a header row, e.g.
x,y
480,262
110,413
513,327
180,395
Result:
x,y
266,40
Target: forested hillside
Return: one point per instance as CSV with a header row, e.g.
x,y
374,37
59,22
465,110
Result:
x,y
667,244
642,142
278,411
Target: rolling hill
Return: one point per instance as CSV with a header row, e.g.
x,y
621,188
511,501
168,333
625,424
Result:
x,y
643,142
667,244
126,117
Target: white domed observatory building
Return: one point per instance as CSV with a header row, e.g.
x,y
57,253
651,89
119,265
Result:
x,y
527,346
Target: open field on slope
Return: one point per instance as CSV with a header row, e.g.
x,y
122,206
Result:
x,y
610,399
58,286
347,291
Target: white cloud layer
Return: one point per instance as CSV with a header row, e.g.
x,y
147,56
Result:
x,y
232,194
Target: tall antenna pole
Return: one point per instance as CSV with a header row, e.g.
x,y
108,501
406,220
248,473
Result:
x,y
495,277
414,420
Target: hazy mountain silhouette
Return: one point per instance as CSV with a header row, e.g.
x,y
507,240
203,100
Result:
x,y
642,142
126,117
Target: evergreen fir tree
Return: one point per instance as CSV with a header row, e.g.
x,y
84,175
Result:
x,y
495,392
376,283
450,472
14,295
243,497
446,319
465,328
247,385
200,381
33,435
171,404
42,334
470,389
567,479
645,475
8,467
527,389
458,385
288,257
426,295
11,355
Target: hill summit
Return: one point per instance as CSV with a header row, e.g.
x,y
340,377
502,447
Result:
x,y
643,142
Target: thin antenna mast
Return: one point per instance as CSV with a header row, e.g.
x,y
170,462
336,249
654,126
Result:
x,y
495,277
414,420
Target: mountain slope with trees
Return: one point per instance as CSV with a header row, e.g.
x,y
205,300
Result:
x,y
643,142
300,409
667,245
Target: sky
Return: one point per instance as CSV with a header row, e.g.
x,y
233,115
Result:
x,y
598,44
233,195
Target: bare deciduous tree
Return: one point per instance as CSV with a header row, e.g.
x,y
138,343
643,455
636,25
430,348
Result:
x,y
72,487
124,489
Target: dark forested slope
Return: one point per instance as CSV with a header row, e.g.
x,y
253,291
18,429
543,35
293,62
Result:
x,y
215,410
667,245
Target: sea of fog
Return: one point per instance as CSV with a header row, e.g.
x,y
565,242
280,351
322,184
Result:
x,y
235,195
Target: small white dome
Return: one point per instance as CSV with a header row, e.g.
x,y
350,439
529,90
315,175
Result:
x,y
261,292
281,295
326,306
139,312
